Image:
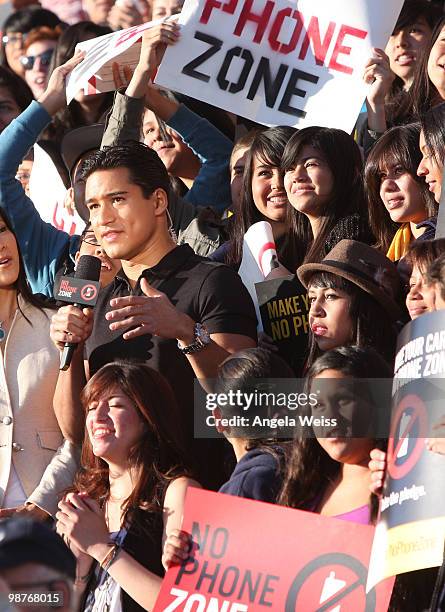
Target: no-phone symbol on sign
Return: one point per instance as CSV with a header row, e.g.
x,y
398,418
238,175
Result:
x,y
408,432
332,581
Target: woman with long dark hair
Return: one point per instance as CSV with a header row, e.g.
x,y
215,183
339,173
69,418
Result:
x,y
263,198
400,205
130,490
328,473
432,148
323,182
33,473
428,86
351,289
391,72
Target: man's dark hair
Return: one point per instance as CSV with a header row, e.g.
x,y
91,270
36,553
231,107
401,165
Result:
x,y
144,165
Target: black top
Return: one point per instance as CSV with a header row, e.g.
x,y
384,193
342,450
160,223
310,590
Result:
x,y
209,292
351,227
144,543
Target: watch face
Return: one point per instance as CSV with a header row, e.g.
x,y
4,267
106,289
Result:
x,y
202,334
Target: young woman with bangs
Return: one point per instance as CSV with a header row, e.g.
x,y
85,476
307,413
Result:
x,y
263,198
129,494
322,178
351,289
391,72
398,199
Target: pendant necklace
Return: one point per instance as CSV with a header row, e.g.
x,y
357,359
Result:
x,y
2,332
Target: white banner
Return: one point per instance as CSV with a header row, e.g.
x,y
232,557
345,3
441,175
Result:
x,y
279,62
94,74
50,202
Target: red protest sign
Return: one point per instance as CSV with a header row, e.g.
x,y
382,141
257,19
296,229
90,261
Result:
x,y
252,556
410,413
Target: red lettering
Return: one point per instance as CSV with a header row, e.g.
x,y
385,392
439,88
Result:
x,y
64,285
212,4
131,33
313,35
341,50
56,224
276,28
262,19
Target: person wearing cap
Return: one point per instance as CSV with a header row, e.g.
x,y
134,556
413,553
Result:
x,y
47,251
350,290
34,559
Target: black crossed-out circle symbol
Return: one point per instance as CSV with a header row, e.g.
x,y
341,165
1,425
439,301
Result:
x,y
331,559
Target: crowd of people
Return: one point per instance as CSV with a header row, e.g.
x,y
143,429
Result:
x,y
103,452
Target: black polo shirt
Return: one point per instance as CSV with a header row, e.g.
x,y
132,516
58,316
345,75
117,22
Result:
x,y
209,292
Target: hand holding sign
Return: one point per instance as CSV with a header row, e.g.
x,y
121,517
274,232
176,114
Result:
x,y
377,465
154,44
177,548
379,76
437,445
53,99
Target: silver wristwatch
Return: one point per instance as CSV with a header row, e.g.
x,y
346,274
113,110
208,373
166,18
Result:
x,y
202,339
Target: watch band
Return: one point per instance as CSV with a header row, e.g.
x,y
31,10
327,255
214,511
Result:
x,y
202,339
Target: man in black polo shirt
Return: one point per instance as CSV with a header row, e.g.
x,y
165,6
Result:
x,y
176,311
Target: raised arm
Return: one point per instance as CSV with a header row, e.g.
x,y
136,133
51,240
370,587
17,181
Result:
x,y
41,244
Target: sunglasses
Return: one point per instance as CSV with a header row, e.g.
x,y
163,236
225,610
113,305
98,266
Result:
x,y
28,61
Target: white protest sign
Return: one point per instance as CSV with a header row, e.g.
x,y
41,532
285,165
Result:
x,y
94,74
279,62
259,258
50,202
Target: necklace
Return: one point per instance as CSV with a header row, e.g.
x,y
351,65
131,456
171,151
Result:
x,y
3,331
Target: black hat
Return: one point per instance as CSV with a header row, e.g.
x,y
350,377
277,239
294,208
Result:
x,y
76,143
82,140
23,540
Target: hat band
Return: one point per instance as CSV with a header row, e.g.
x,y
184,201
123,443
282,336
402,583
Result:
x,y
348,268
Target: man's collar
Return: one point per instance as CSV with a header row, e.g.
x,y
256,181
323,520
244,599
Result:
x,y
169,264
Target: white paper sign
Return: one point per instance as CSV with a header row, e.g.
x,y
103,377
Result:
x,y
279,62
94,74
259,255
49,202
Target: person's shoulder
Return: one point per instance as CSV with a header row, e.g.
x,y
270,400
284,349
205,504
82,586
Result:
x,y
177,488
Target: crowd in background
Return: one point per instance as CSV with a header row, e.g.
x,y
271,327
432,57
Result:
x,y
165,188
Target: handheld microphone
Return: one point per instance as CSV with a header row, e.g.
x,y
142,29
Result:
x,y
82,289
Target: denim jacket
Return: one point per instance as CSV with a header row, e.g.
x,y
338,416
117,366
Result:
x,y
43,246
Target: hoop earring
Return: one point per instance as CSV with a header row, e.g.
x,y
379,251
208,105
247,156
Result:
x,y
171,229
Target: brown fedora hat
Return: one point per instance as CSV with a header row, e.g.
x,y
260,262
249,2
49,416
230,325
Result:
x,y
364,266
